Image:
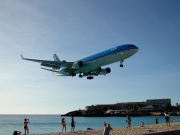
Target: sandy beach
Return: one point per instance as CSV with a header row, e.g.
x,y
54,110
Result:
x,y
156,129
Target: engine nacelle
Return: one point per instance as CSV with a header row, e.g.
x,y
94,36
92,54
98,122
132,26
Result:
x,y
105,71
77,64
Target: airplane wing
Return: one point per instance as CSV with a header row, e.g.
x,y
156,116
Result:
x,y
52,64
52,70
57,72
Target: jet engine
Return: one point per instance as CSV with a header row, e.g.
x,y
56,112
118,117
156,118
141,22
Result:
x,y
105,71
77,64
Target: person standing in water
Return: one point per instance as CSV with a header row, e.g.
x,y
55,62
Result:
x,y
26,129
157,121
63,122
128,120
72,123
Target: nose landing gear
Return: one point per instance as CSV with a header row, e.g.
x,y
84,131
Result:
x,y
121,65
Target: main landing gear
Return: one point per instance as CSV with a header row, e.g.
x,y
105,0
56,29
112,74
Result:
x,y
80,75
73,74
90,77
121,65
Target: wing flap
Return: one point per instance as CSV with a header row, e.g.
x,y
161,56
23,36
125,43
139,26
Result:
x,y
51,65
52,70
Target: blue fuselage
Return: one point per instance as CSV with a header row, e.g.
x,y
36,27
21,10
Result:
x,y
119,53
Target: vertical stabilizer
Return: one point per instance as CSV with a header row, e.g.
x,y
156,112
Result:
x,y
55,57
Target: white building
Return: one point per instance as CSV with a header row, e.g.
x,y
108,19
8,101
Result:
x,y
159,103
147,108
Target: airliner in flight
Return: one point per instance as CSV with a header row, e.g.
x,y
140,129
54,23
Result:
x,y
89,66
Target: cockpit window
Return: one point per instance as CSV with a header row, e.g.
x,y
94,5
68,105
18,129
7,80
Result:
x,y
131,45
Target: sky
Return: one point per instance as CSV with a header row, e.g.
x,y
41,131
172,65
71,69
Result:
x,y
74,29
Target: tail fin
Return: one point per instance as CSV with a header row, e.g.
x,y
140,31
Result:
x,y
55,57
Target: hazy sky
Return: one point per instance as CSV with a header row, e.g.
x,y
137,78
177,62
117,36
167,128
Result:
x,y
74,29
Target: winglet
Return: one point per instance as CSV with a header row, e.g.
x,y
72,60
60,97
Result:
x,y
22,57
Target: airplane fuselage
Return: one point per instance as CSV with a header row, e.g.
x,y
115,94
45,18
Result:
x,y
119,53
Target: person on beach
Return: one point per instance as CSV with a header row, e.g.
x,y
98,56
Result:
x,y
26,129
16,133
63,122
142,124
128,120
157,121
105,125
167,118
107,129
72,124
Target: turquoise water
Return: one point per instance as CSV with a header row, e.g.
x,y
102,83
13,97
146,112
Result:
x,y
51,123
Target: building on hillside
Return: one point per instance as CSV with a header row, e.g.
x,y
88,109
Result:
x,y
100,107
131,106
147,108
159,103
116,111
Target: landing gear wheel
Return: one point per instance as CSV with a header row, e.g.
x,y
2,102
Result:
x,y
73,74
121,65
90,77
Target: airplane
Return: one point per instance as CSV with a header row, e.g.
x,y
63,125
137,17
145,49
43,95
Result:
x,y
89,66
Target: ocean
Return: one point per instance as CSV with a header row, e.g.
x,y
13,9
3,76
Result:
x,y
40,124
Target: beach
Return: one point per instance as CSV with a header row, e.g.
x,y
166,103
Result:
x,y
156,129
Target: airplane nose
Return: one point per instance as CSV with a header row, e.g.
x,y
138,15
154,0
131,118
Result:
x,y
137,48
